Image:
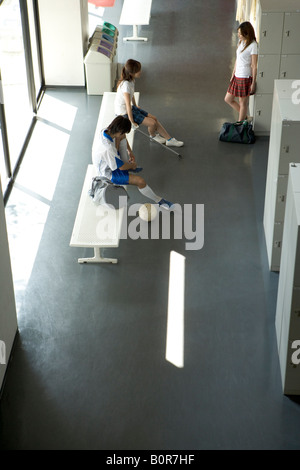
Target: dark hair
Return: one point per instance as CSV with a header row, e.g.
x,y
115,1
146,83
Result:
x,y
119,124
130,68
247,31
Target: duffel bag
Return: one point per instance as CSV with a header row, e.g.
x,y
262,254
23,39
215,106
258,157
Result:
x,y
240,132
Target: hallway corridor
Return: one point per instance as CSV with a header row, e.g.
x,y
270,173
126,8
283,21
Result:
x,y
89,369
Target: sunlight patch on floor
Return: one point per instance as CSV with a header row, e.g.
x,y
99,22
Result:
x,y
175,325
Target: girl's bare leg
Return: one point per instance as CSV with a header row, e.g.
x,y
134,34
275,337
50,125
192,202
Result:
x,y
162,131
230,99
155,126
243,108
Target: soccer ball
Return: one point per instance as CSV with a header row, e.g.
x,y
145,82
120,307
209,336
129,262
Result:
x,y
147,212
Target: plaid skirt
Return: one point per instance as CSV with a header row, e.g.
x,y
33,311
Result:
x,y
240,86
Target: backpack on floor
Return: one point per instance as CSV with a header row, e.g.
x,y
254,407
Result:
x,y
104,192
240,132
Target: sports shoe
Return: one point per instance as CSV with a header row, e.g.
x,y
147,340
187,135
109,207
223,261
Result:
x,y
174,143
165,204
158,138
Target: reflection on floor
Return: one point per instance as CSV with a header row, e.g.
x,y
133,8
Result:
x,y
29,204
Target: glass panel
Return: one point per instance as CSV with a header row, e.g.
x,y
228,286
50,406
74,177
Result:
x,y
95,16
3,175
18,111
34,48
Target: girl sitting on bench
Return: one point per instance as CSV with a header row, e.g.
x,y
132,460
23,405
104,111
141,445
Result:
x,y
125,105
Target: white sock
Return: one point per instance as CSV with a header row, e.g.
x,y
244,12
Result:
x,y
147,191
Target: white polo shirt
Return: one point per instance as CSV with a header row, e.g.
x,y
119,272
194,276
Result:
x,y
124,87
104,155
243,59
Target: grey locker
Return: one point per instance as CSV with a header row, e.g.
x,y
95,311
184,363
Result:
x,y
297,272
284,148
270,40
287,320
262,112
268,71
290,144
291,33
277,246
295,312
281,184
292,375
289,66
285,286
279,35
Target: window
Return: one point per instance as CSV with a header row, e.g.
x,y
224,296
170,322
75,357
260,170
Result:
x,y
21,78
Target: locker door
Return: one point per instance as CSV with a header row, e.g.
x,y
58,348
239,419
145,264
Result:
x,y
282,182
290,145
270,33
267,72
292,372
291,33
297,262
295,313
277,246
283,349
262,113
290,66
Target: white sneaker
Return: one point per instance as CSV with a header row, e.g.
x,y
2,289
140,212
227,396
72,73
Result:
x,y
158,138
174,143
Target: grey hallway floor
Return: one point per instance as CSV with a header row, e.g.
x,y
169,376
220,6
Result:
x,y
89,368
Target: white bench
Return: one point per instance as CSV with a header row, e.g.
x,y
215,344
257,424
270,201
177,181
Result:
x,y
97,226
135,12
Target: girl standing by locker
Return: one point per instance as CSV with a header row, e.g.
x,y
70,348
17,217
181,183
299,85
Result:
x,y
243,78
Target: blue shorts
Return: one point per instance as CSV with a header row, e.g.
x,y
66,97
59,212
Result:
x,y
138,114
120,176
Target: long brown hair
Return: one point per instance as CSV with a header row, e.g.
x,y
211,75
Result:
x,y
247,31
130,68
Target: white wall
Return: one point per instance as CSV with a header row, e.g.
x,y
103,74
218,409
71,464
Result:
x,y
64,37
8,315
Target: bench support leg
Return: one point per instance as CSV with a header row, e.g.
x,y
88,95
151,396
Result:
x,y
135,36
97,258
